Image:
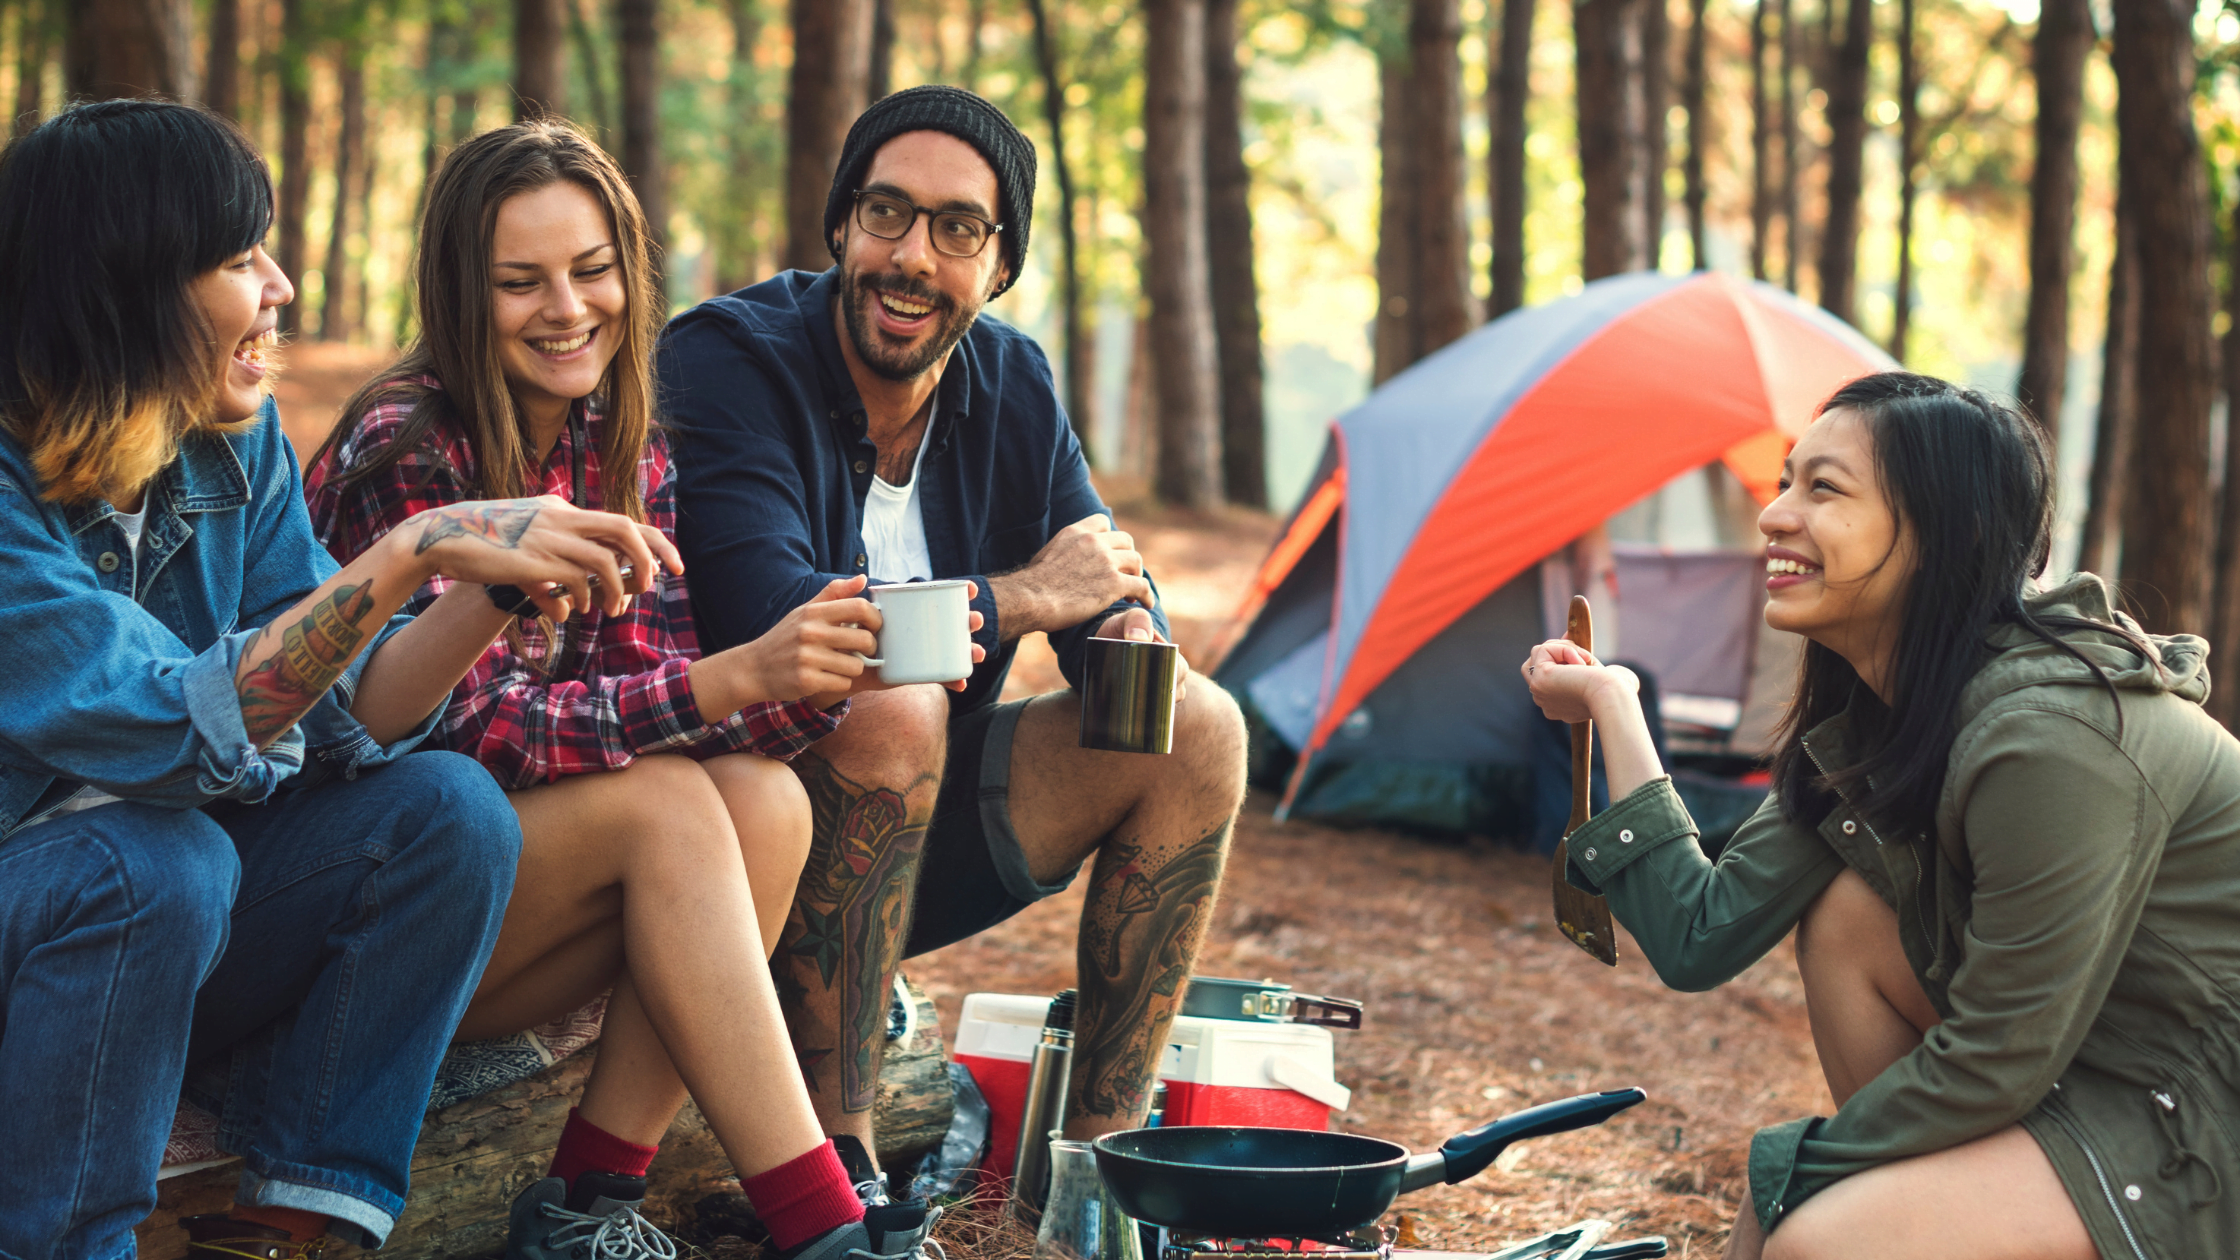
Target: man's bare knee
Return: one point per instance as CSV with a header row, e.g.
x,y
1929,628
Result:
x,y
1210,736
902,732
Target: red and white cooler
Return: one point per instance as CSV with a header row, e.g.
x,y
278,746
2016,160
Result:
x,y
1217,1071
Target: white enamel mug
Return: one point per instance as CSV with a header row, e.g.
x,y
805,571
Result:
x,y
924,633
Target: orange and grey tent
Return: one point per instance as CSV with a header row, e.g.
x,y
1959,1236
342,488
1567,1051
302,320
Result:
x,y
1463,472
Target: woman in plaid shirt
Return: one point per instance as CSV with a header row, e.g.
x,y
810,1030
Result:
x,y
663,833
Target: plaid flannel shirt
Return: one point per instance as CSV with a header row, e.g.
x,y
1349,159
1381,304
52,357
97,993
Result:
x,y
622,690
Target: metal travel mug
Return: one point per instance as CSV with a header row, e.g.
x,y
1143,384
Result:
x,y
1045,1108
1127,695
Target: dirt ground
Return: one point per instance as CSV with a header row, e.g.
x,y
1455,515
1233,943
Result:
x,y
1476,1005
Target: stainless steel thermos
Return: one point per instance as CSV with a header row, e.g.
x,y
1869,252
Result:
x,y
1047,1073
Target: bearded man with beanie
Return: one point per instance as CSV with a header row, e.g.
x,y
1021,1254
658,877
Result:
x,y
871,423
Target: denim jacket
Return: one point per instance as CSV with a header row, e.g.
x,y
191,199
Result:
x,y
120,675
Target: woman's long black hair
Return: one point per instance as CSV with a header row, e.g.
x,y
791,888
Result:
x,y
1971,481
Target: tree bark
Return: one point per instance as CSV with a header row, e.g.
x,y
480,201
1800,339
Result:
x,y
2065,35
1229,255
349,173
2116,431
2224,611
1174,193
540,59
1079,387
1656,94
1909,177
295,160
640,26
1613,135
830,81
1761,142
975,23
738,259
119,48
1847,117
881,80
1699,128
2167,524
1792,236
34,39
1423,279
598,117
1509,52
221,80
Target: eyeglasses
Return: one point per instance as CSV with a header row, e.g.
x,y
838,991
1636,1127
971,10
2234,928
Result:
x,y
955,233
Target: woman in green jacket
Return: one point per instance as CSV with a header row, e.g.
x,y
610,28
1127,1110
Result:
x,y
2009,840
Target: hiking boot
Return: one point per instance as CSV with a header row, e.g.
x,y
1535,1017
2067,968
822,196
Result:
x,y
216,1234
597,1219
886,1232
870,1183
895,1227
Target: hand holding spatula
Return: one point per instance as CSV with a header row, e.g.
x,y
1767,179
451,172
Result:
x,y
1583,916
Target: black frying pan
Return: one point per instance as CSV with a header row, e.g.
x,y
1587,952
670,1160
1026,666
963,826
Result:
x,y
1227,1182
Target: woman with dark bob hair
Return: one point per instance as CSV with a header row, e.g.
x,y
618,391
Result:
x,y
2008,839
211,841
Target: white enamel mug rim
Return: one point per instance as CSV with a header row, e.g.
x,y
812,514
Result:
x,y
937,584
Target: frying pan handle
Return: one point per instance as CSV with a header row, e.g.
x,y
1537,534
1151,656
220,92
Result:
x,y
1465,1155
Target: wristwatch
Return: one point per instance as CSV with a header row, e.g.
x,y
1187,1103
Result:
x,y
511,600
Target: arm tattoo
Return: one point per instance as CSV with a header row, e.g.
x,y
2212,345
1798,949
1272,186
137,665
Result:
x,y
311,654
499,524
1140,934
850,922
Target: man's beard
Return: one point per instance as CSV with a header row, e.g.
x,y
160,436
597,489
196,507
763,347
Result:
x,y
859,292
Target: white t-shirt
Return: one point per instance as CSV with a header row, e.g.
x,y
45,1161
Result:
x,y
894,526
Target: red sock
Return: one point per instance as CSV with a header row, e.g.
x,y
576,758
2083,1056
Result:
x,y
804,1198
585,1147
302,1226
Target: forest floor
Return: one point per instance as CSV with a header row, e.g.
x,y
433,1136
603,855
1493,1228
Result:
x,y
1476,1006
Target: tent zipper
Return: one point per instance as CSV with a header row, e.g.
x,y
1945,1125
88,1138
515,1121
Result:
x,y
2060,1113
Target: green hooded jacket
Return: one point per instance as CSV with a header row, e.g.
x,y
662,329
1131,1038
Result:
x,y
2075,919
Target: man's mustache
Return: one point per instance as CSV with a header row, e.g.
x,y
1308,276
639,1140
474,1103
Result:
x,y
906,289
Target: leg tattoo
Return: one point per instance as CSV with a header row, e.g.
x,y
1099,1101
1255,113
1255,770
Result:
x,y
851,919
1140,934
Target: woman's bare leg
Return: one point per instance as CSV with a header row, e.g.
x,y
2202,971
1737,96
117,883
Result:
x,y
645,863
1995,1198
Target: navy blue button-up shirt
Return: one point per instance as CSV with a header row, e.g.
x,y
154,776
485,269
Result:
x,y
773,464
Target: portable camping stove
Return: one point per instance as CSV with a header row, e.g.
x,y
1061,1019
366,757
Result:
x,y
1582,1241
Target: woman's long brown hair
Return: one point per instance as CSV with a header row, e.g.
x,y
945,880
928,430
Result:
x,y
457,341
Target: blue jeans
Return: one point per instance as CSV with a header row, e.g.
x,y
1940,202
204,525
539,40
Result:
x,y
326,941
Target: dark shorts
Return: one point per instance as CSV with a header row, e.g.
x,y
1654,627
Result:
x,y
974,875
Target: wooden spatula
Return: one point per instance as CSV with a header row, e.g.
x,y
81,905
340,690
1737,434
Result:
x,y
1583,916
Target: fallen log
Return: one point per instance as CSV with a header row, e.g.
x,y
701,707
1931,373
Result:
x,y
475,1156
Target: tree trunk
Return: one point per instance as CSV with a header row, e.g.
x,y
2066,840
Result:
x,y
599,118
1613,135
2116,430
2166,528
1656,95
1909,177
1792,236
1423,278
1847,117
831,76
738,259
295,161
2224,610
1236,290
540,59
1509,52
34,39
881,80
221,81
975,23
349,172
120,48
1174,194
1761,142
2065,35
1080,389
640,23
1699,128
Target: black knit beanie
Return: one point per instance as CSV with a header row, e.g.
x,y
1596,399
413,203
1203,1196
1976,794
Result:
x,y
969,118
